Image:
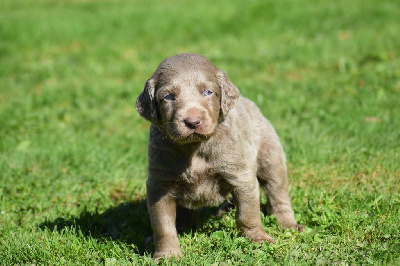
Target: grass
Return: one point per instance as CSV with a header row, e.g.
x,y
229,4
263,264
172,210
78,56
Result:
x,y
73,149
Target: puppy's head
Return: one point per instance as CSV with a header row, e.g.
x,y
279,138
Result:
x,y
186,98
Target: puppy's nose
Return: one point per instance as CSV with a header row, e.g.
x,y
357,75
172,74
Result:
x,y
192,122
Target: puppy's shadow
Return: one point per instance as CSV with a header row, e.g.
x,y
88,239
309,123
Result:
x,y
128,222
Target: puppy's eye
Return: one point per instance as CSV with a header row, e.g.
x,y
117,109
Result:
x,y
207,93
169,97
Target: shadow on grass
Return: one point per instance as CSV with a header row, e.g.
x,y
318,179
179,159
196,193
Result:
x,y
128,222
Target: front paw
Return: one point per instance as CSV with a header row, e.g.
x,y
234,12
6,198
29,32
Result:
x,y
167,254
298,227
286,220
258,235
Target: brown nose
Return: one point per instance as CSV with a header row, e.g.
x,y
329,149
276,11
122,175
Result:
x,y
192,122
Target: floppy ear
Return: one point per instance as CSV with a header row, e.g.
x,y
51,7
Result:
x,y
146,102
229,94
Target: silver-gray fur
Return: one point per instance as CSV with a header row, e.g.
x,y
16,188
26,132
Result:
x,y
207,142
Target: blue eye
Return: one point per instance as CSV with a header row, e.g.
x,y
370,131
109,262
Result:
x,y
169,97
207,93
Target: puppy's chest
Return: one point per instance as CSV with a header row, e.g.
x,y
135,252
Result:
x,y
198,172
200,185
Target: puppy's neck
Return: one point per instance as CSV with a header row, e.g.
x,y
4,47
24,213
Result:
x,y
188,149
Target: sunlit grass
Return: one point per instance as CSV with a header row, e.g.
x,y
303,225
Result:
x,y
73,150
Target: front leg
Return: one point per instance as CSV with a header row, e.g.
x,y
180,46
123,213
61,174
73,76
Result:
x,y
248,220
162,210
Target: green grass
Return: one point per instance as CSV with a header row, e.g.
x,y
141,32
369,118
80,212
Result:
x,y
73,150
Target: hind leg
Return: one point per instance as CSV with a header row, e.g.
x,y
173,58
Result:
x,y
272,178
226,207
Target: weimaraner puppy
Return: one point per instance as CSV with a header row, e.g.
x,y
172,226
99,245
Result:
x,y
207,143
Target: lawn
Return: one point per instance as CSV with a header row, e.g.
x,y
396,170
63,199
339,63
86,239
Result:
x,y
73,150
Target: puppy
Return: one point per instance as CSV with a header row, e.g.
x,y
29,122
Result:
x,y
207,142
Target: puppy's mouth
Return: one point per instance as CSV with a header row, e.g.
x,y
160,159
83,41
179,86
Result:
x,y
194,137
182,133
